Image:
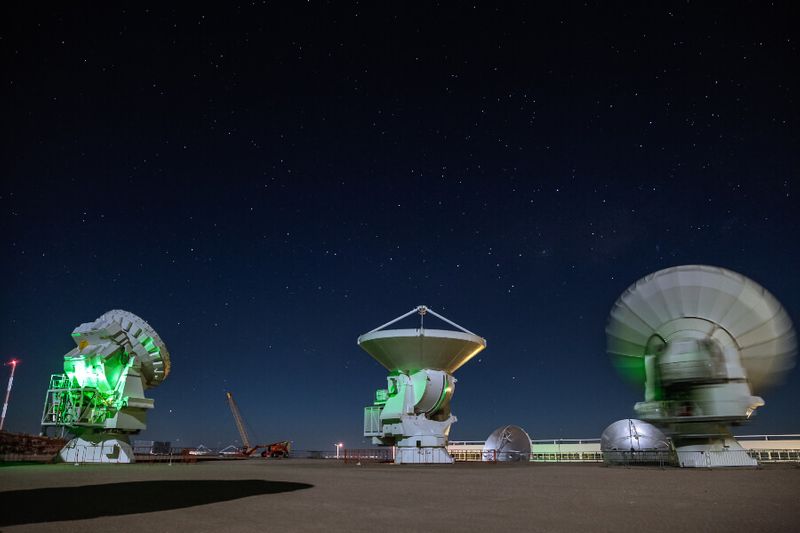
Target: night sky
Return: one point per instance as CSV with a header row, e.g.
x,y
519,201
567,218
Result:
x,y
263,184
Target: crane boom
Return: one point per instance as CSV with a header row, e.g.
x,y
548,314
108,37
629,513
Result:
x,y
239,422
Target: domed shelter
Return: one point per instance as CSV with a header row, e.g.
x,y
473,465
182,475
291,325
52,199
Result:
x,y
634,441
507,444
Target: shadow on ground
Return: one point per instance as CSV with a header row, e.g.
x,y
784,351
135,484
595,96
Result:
x,y
92,501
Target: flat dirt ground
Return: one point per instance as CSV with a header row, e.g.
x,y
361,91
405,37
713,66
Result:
x,y
321,495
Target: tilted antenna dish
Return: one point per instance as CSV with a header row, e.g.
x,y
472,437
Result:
x,y
701,339
155,362
702,302
100,396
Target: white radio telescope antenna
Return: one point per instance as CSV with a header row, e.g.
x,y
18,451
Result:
x,y
700,340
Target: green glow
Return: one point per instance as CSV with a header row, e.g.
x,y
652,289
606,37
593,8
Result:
x,y
149,344
443,395
630,368
104,374
101,386
419,380
392,390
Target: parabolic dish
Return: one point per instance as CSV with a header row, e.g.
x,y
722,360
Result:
x,y
698,301
414,349
507,443
156,363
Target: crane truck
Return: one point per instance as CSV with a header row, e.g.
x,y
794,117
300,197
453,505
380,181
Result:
x,y
278,449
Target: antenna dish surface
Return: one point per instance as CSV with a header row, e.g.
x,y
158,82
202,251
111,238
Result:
x,y
414,349
701,302
507,443
154,356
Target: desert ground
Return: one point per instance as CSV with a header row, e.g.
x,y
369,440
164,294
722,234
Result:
x,y
326,495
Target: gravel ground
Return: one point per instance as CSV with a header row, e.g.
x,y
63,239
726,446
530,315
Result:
x,y
319,495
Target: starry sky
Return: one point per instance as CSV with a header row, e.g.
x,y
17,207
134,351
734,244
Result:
x,y
264,183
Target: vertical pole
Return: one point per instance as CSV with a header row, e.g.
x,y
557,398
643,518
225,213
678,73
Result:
x,y
13,364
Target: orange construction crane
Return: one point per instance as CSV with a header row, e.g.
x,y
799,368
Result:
x,y
276,449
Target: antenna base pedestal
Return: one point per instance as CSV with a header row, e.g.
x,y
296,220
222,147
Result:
x,y
95,447
413,414
713,452
409,455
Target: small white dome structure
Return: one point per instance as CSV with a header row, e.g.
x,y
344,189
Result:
x,y
632,435
507,444
630,441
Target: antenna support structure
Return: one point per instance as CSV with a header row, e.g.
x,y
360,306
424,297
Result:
x,y
99,397
412,413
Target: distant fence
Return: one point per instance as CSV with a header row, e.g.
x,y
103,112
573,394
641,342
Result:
x,y
641,457
706,458
534,457
33,448
500,456
373,455
776,456
171,455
